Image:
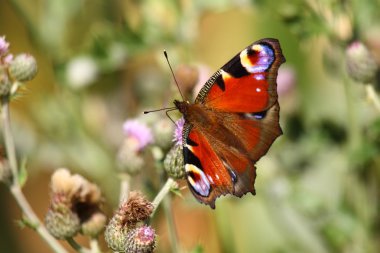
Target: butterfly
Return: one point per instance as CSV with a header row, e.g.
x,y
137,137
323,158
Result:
x,y
232,123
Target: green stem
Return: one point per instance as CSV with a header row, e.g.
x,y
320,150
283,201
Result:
x,y
171,225
94,245
8,139
15,187
372,96
33,219
77,246
124,187
161,195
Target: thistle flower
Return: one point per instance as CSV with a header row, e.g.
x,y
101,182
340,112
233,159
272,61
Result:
x,y
162,131
140,132
23,68
74,202
5,83
174,164
361,66
4,46
141,240
136,209
178,139
138,136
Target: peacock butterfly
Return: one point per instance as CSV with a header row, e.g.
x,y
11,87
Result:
x,y
232,123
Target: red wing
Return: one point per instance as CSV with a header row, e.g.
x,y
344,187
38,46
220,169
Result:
x,y
222,162
206,174
247,83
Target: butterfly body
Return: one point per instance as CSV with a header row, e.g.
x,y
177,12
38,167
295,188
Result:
x,y
233,122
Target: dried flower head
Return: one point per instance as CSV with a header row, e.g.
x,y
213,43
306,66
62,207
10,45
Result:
x,y
136,209
74,202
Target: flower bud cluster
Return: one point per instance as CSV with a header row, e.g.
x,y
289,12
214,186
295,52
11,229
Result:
x,y
14,70
74,206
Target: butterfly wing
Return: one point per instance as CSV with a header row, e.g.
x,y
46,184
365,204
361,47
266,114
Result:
x,y
247,83
241,98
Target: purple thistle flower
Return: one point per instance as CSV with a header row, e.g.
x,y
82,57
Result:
x,y
4,45
139,131
8,58
145,234
178,131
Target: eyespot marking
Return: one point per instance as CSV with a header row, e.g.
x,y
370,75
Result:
x,y
197,180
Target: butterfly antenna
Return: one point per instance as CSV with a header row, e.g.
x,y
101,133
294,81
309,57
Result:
x,y
161,109
171,70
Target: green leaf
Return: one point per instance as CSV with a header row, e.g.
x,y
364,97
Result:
x,y
23,173
176,191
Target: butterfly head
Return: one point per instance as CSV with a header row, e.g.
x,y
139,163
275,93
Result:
x,y
182,106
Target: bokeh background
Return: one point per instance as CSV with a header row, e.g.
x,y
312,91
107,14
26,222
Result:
x,y
101,62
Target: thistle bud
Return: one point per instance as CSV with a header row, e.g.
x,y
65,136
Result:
x,y
23,67
141,240
116,234
360,64
136,209
62,223
163,132
93,226
5,83
174,164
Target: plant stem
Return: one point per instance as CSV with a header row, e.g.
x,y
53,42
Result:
x,y
124,187
171,225
33,219
372,96
8,139
94,245
160,196
76,246
15,187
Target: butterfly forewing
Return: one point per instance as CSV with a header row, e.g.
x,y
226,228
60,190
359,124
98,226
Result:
x,y
233,122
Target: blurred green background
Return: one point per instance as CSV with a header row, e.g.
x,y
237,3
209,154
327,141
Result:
x,y
101,62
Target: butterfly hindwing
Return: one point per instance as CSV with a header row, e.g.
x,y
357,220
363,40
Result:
x,y
232,124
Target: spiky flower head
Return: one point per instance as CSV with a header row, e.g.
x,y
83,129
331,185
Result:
x,y
361,66
62,223
23,67
178,138
174,163
136,209
141,240
74,201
